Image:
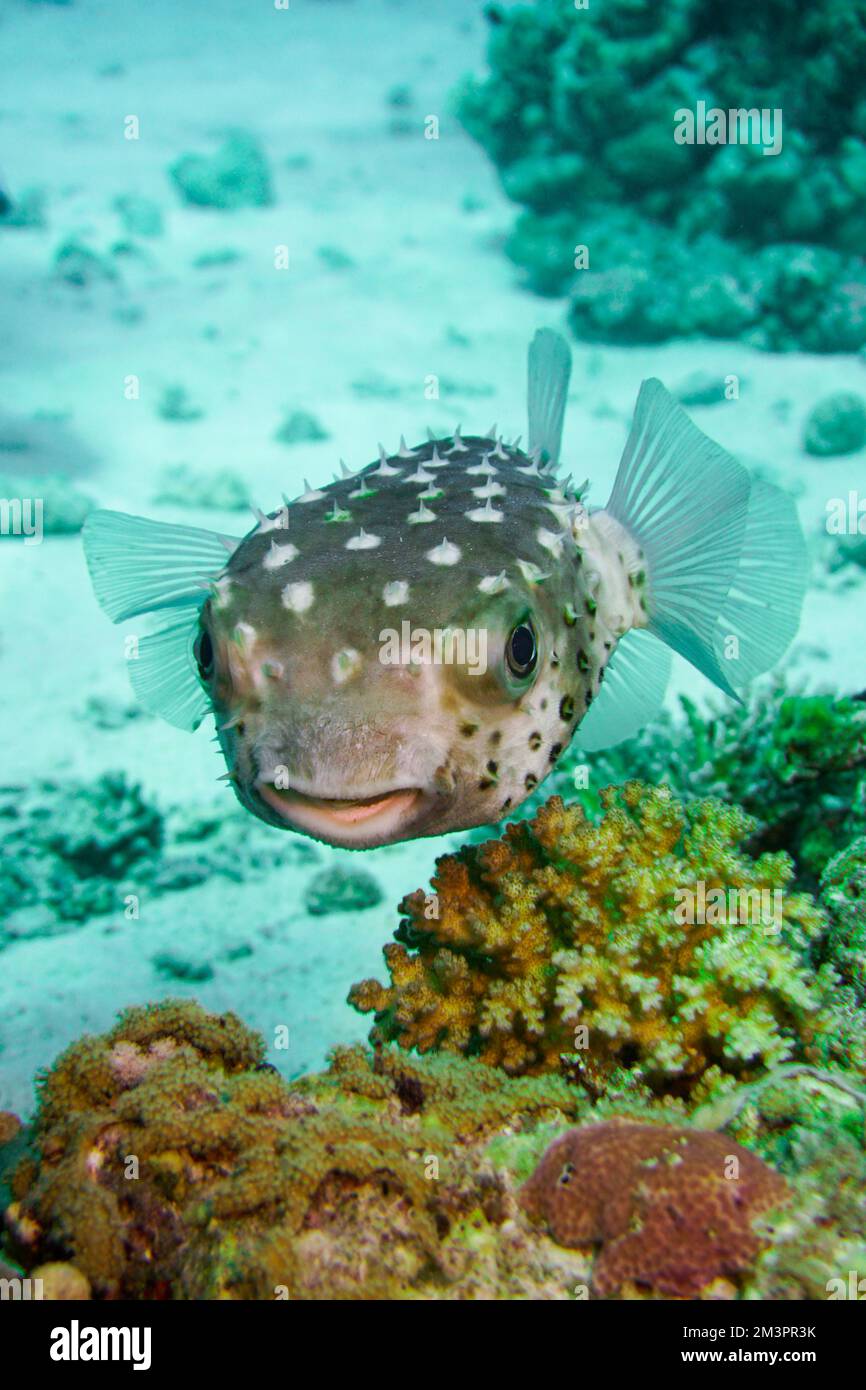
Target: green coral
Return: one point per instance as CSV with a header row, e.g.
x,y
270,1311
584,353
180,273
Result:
x,y
795,763
717,240
843,892
570,944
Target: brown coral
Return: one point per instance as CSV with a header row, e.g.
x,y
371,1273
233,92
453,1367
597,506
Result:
x,y
161,1166
673,1208
562,937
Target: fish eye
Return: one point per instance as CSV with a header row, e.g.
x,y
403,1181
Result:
x,y
521,650
203,653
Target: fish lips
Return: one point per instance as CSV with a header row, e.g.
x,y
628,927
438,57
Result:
x,y
350,823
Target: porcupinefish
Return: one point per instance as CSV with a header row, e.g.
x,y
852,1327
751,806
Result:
x,y
334,642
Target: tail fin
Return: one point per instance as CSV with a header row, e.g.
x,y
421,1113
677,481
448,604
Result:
x,y
725,556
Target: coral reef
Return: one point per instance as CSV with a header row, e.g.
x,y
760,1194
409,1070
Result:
x,y
836,425
64,506
167,1160
795,763
236,176
720,239
843,892
341,890
300,427
567,943
72,850
220,490
672,1207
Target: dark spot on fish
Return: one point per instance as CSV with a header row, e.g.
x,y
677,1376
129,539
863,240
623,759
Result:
x,y
535,740
506,803
467,729
493,768
592,634
495,737
241,728
544,704
554,659
530,781
588,698
486,783
601,675
555,751
566,707
582,660
607,646
591,606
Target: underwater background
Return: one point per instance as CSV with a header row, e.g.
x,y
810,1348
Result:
x,y
237,242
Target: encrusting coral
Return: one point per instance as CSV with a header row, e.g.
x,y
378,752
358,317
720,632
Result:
x,y
673,1208
569,943
168,1160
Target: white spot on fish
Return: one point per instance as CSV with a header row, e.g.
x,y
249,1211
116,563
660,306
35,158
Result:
x,y
404,452
490,489
434,461
551,540
363,541
485,468
244,634
220,588
298,597
499,452
444,554
531,573
485,513
419,476
279,555
493,583
384,470
533,471
457,447
310,494
266,523
423,514
395,593
344,664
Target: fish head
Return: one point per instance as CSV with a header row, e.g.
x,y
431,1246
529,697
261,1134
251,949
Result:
x,y
403,677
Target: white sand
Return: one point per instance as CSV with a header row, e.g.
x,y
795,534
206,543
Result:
x,y
311,81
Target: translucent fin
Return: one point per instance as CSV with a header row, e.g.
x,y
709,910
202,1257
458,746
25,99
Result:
x,y
164,675
139,566
632,693
762,609
684,499
549,373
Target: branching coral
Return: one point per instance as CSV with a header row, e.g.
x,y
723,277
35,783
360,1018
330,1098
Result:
x,y
698,236
563,938
673,1208
796,763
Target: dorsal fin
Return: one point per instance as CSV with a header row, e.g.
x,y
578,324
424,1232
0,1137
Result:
x,y
547,390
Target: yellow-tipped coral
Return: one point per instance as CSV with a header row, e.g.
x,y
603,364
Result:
x,y
566,939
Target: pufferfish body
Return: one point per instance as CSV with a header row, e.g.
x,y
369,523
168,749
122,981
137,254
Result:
x,y
409,649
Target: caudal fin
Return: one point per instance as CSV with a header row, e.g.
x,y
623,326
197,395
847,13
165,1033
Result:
x,y
725,555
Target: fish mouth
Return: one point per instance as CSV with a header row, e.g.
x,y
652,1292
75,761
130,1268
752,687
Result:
x,y
358,822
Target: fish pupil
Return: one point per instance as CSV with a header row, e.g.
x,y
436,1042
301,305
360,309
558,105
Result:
x,y
203,652
522,649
